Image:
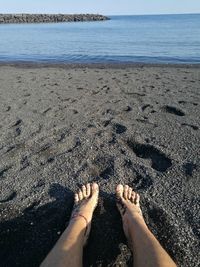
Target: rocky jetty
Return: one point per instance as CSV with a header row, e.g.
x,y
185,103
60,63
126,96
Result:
x,y
47,18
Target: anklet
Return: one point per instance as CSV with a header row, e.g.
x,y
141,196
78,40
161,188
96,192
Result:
x,y
80,215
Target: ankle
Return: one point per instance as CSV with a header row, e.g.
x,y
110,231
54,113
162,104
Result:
x,y
136,219
137,226
78,222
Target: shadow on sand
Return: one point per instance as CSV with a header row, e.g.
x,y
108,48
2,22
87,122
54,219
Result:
x,y
26,240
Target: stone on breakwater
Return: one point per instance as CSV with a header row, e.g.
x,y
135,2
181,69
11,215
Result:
x,y
47,18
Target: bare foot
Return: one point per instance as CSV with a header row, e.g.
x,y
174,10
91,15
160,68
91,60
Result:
x,y
129,207
85,202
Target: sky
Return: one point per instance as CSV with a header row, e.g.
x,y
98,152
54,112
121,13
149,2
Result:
x,y
105,7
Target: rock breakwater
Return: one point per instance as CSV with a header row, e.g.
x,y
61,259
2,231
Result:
x,y
48,18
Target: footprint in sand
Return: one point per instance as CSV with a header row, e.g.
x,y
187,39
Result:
x,y
26,95
182,102
8,108
148,107
10,197
17,127
18,131
119,128
24,163
4,170
189,167
46,110
159,161
127,108
173,110
194,127
18,122
106,122
141,179
103,167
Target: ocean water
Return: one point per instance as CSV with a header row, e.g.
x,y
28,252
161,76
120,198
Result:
x,y
147,39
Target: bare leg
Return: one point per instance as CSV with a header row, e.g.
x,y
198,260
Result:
x,y
68,250
147,251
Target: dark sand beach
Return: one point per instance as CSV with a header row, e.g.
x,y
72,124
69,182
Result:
x,y
62,126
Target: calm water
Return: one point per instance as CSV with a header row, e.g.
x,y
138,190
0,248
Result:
x,y
150,39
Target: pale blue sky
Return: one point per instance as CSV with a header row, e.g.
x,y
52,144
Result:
x,y
108,7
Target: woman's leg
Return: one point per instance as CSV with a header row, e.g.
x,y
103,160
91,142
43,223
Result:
x,y
147,251
68,250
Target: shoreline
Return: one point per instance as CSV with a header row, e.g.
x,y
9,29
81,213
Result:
x,y
116,65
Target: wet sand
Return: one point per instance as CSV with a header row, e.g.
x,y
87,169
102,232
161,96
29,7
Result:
x,y
62,126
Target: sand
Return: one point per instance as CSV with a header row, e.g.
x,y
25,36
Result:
x,y
62,126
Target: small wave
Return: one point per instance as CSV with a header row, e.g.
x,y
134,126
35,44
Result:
x,y
99,59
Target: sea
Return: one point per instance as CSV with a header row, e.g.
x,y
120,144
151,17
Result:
x,y
122,39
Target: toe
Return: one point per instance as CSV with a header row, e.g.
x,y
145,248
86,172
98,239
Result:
x,y
84,191
80,195
129,193
133,197
126,188
88,189
76,198
137,199
95,188
119,191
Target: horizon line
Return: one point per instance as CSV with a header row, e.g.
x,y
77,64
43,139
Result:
x,y
150,14
153,14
